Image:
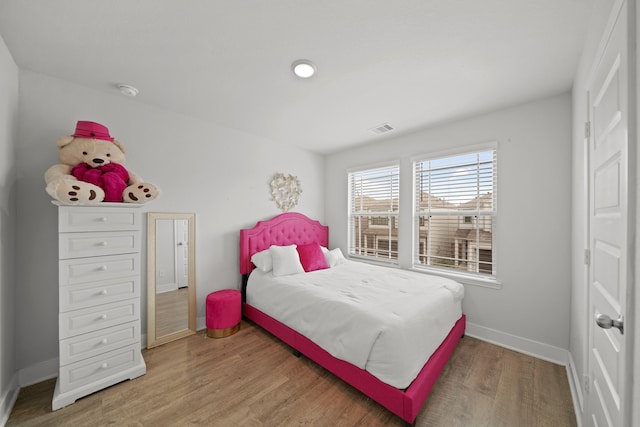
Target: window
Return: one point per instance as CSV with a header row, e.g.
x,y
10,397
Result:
x,y
373,213
455,212
382,221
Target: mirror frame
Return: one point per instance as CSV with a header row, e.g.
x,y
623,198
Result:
x,y
152,219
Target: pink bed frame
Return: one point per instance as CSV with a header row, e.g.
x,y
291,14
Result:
x,y
290,228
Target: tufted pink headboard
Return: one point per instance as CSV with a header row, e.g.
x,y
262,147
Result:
x,y
285,229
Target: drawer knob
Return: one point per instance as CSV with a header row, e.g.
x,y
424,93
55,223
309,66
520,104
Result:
x,y
103,317
103,219
104,366
103,268
104,341
103,244
103,292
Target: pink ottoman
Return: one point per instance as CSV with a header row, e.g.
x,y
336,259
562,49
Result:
x,y
224,312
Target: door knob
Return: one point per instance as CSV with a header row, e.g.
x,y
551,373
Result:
x,y
605,322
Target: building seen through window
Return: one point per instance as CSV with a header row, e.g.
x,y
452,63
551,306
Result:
x,y
373,213
455,212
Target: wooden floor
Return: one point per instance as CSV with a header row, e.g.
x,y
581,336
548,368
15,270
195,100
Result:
x,y
252,379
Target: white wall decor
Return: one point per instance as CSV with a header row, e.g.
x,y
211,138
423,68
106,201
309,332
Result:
x,y
285,191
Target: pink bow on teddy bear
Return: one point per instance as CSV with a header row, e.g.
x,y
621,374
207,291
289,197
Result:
x,y
92,170
112,178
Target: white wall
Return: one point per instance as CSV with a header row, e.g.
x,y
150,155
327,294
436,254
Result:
x,y
221,174
578,342
635,397
533,232
8,141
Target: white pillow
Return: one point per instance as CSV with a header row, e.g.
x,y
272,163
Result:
x,y
263,260
334,257
286,260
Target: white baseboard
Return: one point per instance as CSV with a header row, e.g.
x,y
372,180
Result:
x,y
25,377
49,368
39,372
575,384
522,345
537,349
167,287
9,399
30,375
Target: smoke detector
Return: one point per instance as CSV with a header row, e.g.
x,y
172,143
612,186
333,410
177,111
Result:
x,y
127,90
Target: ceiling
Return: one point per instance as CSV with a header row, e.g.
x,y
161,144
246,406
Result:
x,y
409,63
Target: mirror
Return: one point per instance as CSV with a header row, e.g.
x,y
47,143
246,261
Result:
x,y
171,284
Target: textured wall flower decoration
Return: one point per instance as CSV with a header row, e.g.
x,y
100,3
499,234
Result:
x,y
285,191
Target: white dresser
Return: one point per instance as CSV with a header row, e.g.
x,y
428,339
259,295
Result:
x,y
99,292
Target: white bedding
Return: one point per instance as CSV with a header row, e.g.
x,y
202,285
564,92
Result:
x,y
385,320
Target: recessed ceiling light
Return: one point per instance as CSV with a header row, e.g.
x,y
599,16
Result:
x,y
127,90
303,68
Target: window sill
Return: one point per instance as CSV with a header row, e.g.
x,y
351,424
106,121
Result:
x,y
462,278
370,260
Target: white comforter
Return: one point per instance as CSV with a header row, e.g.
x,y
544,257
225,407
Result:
x,y
385,320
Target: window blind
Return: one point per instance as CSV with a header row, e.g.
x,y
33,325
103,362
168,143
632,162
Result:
x,y
456,212
373,213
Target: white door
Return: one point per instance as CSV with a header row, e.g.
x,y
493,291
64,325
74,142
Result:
x,y
182,252
608,193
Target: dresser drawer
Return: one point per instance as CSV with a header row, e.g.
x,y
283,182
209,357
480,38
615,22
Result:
x,y
82,270
77,245
98,368
91,319
73,219
92,344
74,297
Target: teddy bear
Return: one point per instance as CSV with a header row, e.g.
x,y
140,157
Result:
x,y
92,170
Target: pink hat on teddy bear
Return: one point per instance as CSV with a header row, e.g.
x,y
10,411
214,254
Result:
x,y
92,130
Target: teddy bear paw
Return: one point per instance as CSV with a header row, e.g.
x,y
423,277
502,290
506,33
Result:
x,y
140,193
77,193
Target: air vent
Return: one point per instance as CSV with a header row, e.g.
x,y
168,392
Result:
x,y
383,128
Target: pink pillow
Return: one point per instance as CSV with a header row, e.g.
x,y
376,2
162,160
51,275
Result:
x,y
311,257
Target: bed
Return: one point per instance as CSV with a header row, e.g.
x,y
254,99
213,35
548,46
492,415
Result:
x,y
402,393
